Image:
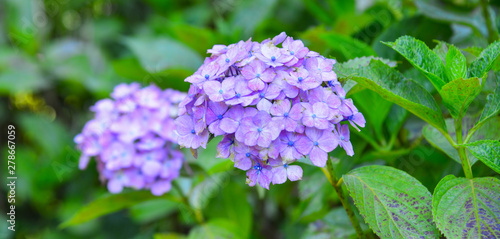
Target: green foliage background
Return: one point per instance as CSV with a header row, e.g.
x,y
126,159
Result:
x,y
58,57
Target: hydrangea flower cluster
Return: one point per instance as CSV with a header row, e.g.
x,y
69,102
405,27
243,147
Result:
x,y
133,139
272,105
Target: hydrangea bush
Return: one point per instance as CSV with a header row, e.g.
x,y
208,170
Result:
x,y
132,138
271,104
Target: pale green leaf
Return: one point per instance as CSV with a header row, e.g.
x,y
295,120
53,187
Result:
x,y
246,15
422,58
365,61
488,151
158,54
441,49
434,137
458,95
393,203
467,208
348,46
201,193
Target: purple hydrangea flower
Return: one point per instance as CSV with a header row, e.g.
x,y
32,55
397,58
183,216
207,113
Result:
x,y
132,138
272,102
260,173
281,171
259,129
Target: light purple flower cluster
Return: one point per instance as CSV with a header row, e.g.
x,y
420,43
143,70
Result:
x,y
272,105
132,138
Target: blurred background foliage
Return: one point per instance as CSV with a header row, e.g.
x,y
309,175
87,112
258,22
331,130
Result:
x,y
58,57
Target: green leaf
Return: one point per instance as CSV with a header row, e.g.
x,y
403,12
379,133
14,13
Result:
x,y
108,204
168,236
215,229
483,63
365,61
394,87
348,46
422,58
21,81
395,120
492,106
456,64
436,139
20,74
232,204
441,49
458,95
488,151
420,78
393,203
247,15
158,54
201,193
375,114
467,208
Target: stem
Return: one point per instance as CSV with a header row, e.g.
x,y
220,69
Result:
x,y
449,138
197,212
370,141
337,185
461,149
492,32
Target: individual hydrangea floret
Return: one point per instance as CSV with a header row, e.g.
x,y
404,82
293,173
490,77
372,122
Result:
x,y
132,138
271,104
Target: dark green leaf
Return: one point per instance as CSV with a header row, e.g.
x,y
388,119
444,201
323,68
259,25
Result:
x,y
158,54
420,78
488,151
422,58
395,119
232,204
417,26
392,86
109,204
459,93
456,64
375,114
434,10
348,46
467,208
485,61
393,203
